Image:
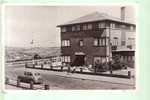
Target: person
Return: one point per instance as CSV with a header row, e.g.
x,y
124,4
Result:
x,y
63,65
73,69
96,66
90,67
69,68
110,66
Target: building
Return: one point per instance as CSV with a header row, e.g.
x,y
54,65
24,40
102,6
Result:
x,y
93,37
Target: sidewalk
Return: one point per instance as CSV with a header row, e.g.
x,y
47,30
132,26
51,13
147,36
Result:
x,y
90,77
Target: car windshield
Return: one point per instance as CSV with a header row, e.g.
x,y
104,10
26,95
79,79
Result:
x,y
37,74
28,73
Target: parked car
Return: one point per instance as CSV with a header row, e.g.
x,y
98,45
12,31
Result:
x,y
56,62
85,69
30,76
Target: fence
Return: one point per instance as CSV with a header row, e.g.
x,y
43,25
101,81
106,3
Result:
x,y
46,64
111,73
29,86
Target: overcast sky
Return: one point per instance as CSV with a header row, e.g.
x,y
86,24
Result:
x,y
38,23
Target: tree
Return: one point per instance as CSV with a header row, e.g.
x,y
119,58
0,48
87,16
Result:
x,y
116,62
36,56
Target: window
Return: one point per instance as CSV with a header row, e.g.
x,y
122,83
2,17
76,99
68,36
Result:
x,y
133,58
107,41
78,27
102,42
65,58
108,51
63,29
112,25
104,34
101,25
95,42
62,59
123,43
81,42
123,26
131,41
129,58
84,27
65,43
73,28
117,26
89,27
131,28
107,25
115,41
99,42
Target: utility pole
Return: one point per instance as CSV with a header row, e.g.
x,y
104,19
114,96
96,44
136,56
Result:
x,y
110,55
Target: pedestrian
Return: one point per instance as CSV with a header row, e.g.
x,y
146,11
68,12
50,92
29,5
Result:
x,y
73,69
69,68
96,66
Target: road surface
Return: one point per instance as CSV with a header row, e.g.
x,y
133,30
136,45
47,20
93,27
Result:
x,y
66,81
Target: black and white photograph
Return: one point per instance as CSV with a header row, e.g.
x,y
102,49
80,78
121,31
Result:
x,y
74,47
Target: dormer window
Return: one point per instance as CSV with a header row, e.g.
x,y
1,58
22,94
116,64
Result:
x,y
89,27
73,28
112,25
84,27
101,25
78,27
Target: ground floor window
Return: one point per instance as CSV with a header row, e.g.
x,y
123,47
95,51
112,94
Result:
x,y
127,58
65,58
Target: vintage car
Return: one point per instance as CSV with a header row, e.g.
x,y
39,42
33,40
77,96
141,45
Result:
x,y
30,76
56,62
84,69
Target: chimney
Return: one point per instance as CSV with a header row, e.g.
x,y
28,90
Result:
x,y
123,33
122,14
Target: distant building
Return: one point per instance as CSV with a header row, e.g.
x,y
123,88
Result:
x,y
93,37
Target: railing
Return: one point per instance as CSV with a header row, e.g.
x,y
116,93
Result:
x,y
81,70
30,86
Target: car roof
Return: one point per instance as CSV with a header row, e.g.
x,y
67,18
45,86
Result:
x,y
31,71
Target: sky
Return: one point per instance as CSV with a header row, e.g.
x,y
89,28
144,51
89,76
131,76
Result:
x,y
38,23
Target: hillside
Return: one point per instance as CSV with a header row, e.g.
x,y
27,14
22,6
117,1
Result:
x,y
20,53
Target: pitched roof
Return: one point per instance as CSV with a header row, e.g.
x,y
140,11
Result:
x,y
96,16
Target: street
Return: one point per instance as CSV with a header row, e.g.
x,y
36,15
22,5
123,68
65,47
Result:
x,y
65,81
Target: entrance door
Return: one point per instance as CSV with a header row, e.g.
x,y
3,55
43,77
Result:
x,y
79,60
